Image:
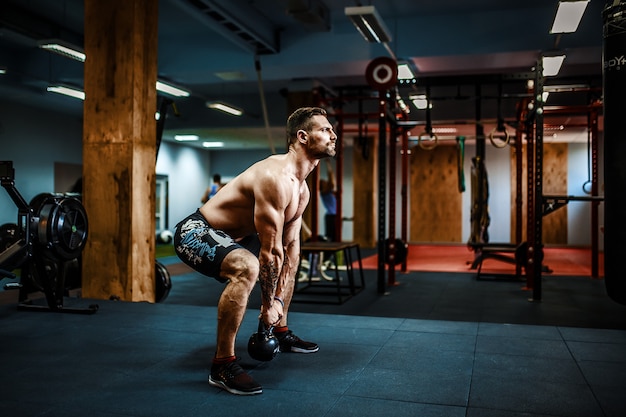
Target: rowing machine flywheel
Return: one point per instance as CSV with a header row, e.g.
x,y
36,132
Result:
x,y
60,225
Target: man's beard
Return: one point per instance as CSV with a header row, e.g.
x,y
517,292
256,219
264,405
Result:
x,y
325,153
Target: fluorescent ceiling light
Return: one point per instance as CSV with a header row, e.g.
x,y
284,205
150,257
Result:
x,y
170,89
72,92
405,72
74,52
420,101
186,138
568,16
552,65
444,130
213,144
63,48
226,108
3,70
231,76
368,23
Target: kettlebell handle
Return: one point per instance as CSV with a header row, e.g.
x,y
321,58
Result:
x,y
263,345
262,328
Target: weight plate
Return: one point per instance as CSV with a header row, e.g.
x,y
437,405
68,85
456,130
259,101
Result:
x,y
163,282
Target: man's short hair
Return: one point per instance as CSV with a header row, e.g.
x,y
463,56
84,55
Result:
x,y
301,120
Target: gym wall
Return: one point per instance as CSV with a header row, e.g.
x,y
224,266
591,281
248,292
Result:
x,y
36,140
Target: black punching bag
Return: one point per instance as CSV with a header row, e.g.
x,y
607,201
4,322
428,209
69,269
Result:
x,y
614,73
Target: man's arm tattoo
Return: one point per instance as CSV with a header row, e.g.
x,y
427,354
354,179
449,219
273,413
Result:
x,y
268,275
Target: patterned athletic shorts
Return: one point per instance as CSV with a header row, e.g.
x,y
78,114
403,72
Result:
x,y
204,248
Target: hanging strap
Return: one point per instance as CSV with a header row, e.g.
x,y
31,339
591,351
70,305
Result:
x,y
460,158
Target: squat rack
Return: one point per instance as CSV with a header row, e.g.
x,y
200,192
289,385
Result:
x,y
530,118
540,204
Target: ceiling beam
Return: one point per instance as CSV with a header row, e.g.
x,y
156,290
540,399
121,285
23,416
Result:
x,y
236,22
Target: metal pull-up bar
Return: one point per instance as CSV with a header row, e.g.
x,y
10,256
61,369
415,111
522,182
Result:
x,y
552,203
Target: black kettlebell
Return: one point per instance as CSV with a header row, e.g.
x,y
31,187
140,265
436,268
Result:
x,y
263,345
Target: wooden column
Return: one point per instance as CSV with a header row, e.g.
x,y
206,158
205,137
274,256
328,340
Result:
x,y
119,148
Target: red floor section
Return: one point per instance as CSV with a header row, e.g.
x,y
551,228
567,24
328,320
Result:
x,y
458,258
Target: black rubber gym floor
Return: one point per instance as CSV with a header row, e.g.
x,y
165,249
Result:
x,y
438,344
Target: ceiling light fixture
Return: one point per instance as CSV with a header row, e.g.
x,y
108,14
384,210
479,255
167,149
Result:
x,y
445,130
552,65
406,71
420,101
68,91
186,138
568,16
170,89
71,51
3,70
368,23
226,108
213,144
63,48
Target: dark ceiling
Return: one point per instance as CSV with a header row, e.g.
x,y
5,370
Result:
x,y
460,48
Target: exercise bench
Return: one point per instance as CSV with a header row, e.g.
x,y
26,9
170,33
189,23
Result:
x,y
321,287
501,252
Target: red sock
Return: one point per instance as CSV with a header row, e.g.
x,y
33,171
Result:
x,y
221,361
280,329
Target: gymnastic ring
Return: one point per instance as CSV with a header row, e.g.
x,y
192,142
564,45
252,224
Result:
x,y
433,137
506,138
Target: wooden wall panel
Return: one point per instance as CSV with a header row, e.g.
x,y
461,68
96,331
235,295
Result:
x,y
555,183
435,201
365,195
555,169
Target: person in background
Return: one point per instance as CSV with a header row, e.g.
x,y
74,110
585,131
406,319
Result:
x,y
329,200
213,188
